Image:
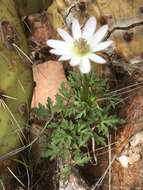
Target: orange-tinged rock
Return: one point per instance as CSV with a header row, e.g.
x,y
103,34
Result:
x,y
48,77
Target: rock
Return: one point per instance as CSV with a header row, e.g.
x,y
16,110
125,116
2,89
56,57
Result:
x,y
48,77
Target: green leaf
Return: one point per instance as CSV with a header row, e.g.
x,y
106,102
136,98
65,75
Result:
x,y
79,117
80,159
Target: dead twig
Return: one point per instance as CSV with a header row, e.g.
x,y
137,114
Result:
x,y
123,28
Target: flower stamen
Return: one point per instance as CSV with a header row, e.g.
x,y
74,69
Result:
x,y
81,46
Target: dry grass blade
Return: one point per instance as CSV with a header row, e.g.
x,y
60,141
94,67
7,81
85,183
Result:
x,y
19,50
2,185
114,143
16,151
14,120
110,158
93,150
15,177
99,182
9,97
127,87
123,91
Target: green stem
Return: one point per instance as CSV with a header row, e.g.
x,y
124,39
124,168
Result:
x,y
85,88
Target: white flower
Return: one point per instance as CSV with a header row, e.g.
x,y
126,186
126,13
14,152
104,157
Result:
x,y
82,47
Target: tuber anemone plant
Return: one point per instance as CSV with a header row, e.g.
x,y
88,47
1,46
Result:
x,y
82,114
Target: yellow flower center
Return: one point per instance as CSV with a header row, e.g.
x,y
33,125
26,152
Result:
x,y
81,47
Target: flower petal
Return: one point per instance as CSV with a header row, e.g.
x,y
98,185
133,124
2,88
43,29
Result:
x,y
57,51
85,66
65,35
58,44
101,46
100,34
75,61
97,58
65,58
76,31
89,28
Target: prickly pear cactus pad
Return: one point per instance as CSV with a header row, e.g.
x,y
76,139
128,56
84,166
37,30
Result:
x,y
27,7
15,79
